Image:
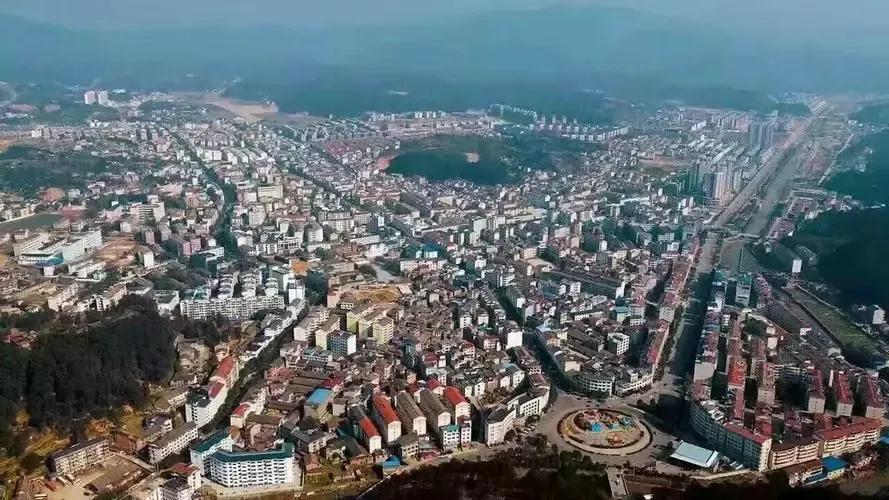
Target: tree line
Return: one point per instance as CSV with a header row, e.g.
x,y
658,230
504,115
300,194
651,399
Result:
x,y
67,378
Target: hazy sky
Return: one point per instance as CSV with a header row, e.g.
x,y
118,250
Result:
x,y
851,25
802,14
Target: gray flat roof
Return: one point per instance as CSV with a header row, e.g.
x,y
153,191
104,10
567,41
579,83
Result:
x,y
695,455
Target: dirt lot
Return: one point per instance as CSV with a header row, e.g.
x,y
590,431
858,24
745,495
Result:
x,y
79,491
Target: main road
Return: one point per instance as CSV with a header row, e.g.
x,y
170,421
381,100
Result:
x,y
779,157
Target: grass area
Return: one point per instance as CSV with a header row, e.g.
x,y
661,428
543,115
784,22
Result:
x,y
131,422
43,446
323,485
848,334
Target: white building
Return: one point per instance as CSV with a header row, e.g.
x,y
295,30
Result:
x,y
263,468
80,456
512,338
386,419
201,451
199,305
497,424
618,343
172,442
342,344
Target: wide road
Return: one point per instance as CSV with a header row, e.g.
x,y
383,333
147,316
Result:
x,y
764,173
776,190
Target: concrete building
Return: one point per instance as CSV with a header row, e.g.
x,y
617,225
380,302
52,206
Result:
x,y
80,456
342,344
618,343
497,423
436,413
202,450
202,306
386,419
248,469
172,442
457,403
412,418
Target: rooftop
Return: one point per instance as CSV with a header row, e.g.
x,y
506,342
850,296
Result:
x,y
286,451
211,440
695,455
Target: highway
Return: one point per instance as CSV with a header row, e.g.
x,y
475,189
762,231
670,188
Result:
x,y
764,173
689,330
776,189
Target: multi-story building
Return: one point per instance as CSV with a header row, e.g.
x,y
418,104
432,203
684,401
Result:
x,y
618,343
412,418
815,398
80,456
457,403
449,436
841,439
147,211
386,419
593,382
497,423
342,344
436,413
200,451
842,394
46,248
172,442
730,438
198,304
369,435
251,468
871,400
795,451
202,406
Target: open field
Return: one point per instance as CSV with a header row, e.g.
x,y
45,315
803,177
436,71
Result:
x,y
249,111
846,332
30,222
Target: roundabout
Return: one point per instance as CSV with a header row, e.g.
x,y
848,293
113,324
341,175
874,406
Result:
x,y
604,431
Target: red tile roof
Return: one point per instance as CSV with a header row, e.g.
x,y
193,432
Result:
x,y
225,367
384,409
215,389
454,396
367,428
857,426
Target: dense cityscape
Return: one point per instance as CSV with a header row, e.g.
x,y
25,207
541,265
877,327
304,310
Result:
x,y
209,294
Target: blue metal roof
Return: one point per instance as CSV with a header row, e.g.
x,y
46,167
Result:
x,y
832,464
318,397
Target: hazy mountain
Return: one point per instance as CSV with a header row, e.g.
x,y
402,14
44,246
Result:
x,y
586,47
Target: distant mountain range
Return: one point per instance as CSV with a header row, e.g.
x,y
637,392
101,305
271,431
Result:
x,y
584,47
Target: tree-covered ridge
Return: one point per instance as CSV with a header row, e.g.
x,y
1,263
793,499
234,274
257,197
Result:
x,y
71,376
486,160
872,185
851,248
28,170
877,114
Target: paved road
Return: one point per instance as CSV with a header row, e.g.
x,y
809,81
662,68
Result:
x,y
566,403
776,190
763,174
